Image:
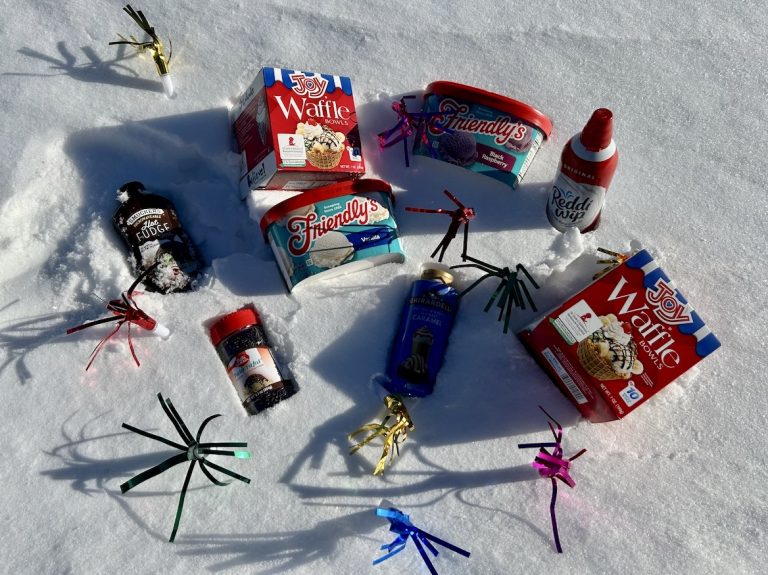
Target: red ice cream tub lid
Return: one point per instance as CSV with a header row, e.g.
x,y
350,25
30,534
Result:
x,y
515,108
349,187
232,323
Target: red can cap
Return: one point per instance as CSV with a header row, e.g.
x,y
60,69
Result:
x,y
233,322
598,132
515,108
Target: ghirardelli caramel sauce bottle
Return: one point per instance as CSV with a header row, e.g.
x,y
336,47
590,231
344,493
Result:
x,y
151,229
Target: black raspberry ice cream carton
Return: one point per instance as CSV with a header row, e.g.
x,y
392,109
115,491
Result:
x,y
483,132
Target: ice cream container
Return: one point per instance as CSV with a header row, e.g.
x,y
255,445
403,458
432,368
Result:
x,y
333,230
296,130
484,132
620,340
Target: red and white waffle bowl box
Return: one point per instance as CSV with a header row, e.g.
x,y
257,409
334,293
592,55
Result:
x,y
620,340
296,130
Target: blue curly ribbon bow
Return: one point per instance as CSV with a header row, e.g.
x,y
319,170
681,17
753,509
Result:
x,y
401,524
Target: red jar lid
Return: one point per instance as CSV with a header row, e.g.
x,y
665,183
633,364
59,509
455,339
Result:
x,y
345,188
233,322
512,107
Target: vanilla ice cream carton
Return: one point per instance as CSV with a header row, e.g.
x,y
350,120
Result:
x,y
333,230
620,340
296,130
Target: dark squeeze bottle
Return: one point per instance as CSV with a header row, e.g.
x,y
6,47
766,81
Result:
x,y
152,232
241,343
422,337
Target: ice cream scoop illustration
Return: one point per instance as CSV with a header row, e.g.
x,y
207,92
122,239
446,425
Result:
x,y
331,250
324,147
458,148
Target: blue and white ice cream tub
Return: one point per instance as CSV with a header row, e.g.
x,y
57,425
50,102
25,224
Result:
x,y
333,230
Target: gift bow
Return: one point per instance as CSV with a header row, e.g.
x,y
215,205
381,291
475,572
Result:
x,y
154,45
393,435
461,215
511,290
410,124
193,451
553,466
124,310
400,523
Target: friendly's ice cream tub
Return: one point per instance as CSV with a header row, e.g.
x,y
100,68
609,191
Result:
x,y
620,340
484,132
296,130
333,230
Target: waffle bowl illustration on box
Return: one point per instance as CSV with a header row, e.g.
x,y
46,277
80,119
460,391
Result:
x,y
610,352
324,146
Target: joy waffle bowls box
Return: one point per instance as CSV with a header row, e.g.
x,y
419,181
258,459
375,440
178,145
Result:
x,y
296,130
620,340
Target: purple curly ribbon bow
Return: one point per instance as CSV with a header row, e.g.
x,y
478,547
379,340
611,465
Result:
x,y
401,524
410,124
554,466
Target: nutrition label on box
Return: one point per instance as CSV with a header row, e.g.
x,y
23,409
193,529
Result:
x,y
577,323
292,150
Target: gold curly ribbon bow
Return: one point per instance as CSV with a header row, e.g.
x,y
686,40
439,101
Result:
x,y
616,259
154,46
393,435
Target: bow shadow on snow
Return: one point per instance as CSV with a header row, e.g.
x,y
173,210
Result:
x,y
89,475
290,549
94,70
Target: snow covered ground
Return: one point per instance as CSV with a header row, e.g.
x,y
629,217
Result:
x,y
680,484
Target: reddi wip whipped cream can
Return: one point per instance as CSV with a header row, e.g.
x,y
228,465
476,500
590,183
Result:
x,y
586,169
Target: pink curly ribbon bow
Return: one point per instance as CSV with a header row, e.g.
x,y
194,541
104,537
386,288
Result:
x,y
410,124
553,466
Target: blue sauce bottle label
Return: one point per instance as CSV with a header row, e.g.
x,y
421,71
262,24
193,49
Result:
x,y
422,338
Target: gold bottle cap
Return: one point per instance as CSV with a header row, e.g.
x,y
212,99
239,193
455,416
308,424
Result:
x,y
437,271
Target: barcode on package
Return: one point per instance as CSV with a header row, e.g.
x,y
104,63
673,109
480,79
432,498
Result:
x,y
563,375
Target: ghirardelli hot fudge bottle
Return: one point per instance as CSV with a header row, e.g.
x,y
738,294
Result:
x,y
151,229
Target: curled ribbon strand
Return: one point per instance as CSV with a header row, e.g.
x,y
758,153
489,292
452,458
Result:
x,y
511,290
393,435
461,215
411,124
400,523
553,466
124,310
193,451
